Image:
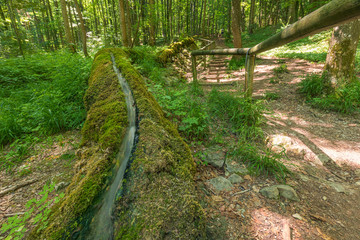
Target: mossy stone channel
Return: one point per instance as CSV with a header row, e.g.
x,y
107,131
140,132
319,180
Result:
x,y
158,200
101,227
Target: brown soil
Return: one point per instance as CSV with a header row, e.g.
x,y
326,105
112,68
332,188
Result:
x,y
324,153
49,162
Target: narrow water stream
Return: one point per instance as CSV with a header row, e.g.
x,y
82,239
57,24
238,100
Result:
x,y
101,226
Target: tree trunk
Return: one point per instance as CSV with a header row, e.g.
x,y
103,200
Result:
x,y
82,26
152,22
251,17
14,26
340,60
204,20
124,32
68,35
235,23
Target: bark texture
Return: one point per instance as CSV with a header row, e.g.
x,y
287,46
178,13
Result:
x,y
340,60
68,35
236,23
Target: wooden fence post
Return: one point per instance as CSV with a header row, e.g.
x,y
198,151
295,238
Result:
x,y
193,60
249,76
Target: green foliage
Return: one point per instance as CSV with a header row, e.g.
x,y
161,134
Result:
x,y
37,213
236,64
315,86
42,94
281,69
184,109
319,93
244,115
246,118
266,162
271,96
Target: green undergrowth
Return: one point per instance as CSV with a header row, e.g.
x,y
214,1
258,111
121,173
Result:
x,y
158,200
236,64
102,132
183,104
195,113
319,93
246,118
41,95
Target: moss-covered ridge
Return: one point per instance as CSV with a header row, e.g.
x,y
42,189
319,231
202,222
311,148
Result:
x,y
159,200
103,132
175,48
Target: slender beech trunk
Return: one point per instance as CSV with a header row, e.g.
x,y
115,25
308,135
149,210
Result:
x,y
123,26
95,17
204,20
83,29
252,17
152,22
68,35
235,23
14,26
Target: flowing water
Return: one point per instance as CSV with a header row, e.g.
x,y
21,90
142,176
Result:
x,y
101,226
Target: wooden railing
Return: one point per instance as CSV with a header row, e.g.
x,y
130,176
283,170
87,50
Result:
x,y
332,14
209,45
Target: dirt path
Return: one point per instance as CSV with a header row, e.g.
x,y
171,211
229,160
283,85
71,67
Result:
x,y
324,154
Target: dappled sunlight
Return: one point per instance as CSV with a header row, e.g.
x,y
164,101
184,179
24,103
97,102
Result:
x,y
293,146
268,225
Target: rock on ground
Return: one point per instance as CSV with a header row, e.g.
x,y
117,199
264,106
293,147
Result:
x,y
221,184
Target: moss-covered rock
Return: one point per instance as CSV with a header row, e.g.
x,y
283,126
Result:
x,y
175,48
160,200
103,132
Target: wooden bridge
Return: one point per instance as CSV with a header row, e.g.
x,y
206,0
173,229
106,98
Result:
x,y
332,14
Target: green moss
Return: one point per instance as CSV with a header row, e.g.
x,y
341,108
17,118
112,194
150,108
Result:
x,y
159,200
160,196
103,132
175,48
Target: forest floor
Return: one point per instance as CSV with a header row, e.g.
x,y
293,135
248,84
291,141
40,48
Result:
x,y
323,150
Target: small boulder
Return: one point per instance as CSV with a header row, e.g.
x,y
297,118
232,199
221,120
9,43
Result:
x,y
275,191
270,192
221,184
215,157
234,179
297,216
287,192
338,187
234,167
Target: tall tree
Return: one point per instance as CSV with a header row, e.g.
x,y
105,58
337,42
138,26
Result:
x,y
123,24
68,35
252,16
340,60
152,22
82,26
236,23
14,26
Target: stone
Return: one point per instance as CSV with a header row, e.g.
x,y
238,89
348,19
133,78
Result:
x,y
234,167
215,157
323,158
357,183
338,187
221,184
324,198
357,172
287,192
234,179
61,185
297,216
270,192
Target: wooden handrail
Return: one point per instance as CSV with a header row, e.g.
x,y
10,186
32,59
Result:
x,y
332,14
